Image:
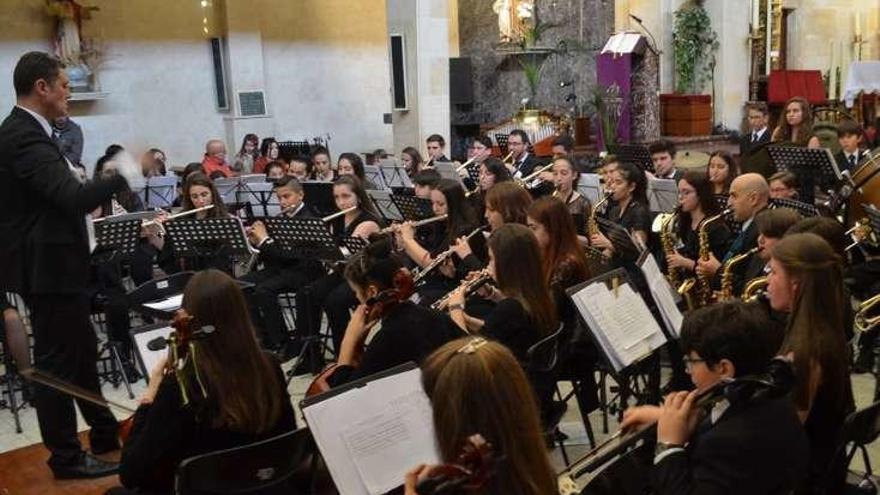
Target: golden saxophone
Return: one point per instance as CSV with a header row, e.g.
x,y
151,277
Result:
x,y
701,284
592,225
667,241
727,274
754,288
481,279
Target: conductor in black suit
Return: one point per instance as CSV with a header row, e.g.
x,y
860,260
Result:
x,y
44,256
524,163
752,146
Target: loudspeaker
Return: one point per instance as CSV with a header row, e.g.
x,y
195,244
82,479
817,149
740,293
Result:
x,y
398,71
218,61
461,89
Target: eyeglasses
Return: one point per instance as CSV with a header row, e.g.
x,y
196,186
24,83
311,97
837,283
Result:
x,y
689,362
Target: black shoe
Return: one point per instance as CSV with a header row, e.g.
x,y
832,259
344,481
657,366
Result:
x,y
131,372
104,446
88,466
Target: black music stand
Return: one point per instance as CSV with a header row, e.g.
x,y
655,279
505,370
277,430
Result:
x,y
662,195
813,167
158,192
473,172
413,207
207,237
117,238
352,245
252,190
373,175
805,209
304,238
501,141
319,197
637,154
156,290
293,149
395,175
389,211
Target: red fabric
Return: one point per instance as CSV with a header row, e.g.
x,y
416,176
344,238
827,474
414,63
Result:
x,y
786,84
211,164
260,165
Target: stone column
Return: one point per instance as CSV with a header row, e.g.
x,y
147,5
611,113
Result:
x,y
424,25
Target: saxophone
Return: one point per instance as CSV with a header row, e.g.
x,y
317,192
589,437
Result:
x,y
667,241
754,288
699,283
592,225
727,274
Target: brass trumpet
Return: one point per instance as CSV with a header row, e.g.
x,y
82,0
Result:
x,y
863,321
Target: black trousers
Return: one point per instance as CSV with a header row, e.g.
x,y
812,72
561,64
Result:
x,y
65,346
329,293
263,301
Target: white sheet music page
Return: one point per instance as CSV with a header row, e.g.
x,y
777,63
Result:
x,y
663,295
370,436
169,303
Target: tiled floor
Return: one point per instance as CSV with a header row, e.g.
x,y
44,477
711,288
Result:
x,y
577,445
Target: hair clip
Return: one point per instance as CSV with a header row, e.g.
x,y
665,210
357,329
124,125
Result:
x,y
472,345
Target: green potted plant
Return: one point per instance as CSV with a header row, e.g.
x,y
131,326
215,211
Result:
x,y
694,43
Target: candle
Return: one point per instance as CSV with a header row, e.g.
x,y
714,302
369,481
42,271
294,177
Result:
x,y
858,24
832,74
756,15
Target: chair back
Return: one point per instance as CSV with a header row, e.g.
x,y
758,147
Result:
x,y
544,354
264,467
863,426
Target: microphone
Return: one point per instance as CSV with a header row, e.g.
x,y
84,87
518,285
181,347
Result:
x,y
157,344
636,18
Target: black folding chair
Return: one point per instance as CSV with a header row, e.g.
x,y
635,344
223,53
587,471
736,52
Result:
x,y
268,467
860,429
542,369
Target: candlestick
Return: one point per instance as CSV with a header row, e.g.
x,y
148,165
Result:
x,y
858,24
756,15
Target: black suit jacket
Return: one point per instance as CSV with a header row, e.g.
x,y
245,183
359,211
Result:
x,y
843,163
753,156
528,165
759,448
44,245
738,246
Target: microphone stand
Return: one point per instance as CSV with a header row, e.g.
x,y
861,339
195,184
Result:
x,y
653,44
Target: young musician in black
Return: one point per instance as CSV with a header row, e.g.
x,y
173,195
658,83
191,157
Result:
x,y
524,163
744,443
629,210
435,144
850,136
281,272
245,397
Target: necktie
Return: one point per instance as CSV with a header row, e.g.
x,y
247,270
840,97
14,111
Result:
x,y
754,137
852,161
736,246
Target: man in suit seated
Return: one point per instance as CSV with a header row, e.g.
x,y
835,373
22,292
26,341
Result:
x,y
849,136
281,272
752,150
747,442
749,195
524,163
663,156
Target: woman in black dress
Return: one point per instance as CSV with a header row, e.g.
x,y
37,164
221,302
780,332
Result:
x,y
246,398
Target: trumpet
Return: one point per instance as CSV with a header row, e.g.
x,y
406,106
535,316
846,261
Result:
x,y
440,258
465,164
863,322
509,155
393,228
525,181
469,286
338,214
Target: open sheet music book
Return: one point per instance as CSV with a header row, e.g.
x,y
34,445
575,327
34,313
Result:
x,y
665,296
620,321
371,432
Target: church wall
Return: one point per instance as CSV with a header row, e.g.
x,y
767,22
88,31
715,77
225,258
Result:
x,y
324,71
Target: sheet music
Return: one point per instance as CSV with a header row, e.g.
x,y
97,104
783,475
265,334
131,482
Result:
x,y
664,295
372,434
168,304
621,323
662,195
150,358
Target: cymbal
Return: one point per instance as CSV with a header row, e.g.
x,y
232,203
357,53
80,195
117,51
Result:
x,y
691,159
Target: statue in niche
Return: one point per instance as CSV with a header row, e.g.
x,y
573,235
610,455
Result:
x,y
515,18
68,43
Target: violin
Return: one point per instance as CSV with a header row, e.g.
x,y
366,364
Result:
x,y
378,306
472,469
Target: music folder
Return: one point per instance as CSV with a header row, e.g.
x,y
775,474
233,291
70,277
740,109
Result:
x,y
372,431
148,355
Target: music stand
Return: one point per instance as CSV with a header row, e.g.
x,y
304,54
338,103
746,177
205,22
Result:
x,y
385,204
158,192
413,207
207,237
813,167
374,175
319,197
501,141
394,174
447,171
351,245
473,172
289,150
637,154
304,238
590,187
156,290
805,209
117,238
662,195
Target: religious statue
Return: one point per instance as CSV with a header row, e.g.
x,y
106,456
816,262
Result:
x,y
68,43
515,17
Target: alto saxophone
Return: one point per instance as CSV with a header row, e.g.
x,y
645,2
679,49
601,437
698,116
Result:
x,y
592,225
754,288
667,241
727,274
701,284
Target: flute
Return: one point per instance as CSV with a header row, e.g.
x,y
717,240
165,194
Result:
x,y
470,286
442,257
419,223
178,215
339,213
